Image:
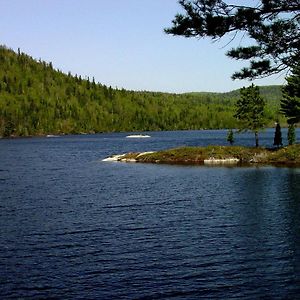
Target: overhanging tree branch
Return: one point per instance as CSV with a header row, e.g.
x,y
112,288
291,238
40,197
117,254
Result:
x,y
274,25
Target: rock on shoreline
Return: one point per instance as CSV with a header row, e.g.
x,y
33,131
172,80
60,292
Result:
x,y
127,157
224,161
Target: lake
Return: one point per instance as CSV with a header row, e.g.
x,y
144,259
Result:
x,y
74,227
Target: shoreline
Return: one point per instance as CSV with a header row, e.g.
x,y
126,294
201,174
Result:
x,y
134,132
288,156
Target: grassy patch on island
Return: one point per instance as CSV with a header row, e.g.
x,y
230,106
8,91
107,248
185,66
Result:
x,y
289,155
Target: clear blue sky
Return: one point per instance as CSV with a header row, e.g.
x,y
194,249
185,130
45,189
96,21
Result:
x,y
119,42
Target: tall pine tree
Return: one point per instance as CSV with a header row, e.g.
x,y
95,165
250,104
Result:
x,y
290,104
250,111
277,137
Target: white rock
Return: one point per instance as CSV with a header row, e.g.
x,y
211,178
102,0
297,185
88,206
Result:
x,y
213,160
144,153
114,157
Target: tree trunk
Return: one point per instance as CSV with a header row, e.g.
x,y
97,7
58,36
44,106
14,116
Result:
x,y
256,139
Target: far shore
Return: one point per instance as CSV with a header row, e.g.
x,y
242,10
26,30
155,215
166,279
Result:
x,y
217,155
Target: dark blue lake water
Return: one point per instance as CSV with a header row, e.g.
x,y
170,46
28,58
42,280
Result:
x,y
74,227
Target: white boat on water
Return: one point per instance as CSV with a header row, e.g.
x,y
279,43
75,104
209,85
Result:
x,y
51,136
138,136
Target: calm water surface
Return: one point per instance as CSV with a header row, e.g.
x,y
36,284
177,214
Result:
x,y
74,227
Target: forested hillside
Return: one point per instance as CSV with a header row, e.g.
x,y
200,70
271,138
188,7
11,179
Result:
x,y
36,99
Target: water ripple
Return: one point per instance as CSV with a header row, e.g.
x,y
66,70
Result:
x,y
74,229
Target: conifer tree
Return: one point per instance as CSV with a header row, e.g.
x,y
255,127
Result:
x,y
277,137
230,137
291,134
272,25
250,111
290,104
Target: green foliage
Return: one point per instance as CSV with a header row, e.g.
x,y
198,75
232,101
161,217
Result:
x,y
195,154
246,155
230,137
277,136
286,155
36,99
290,104
273,25
250,110
291,134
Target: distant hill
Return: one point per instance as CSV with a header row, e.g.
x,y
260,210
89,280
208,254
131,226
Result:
x,y
37,99
272,94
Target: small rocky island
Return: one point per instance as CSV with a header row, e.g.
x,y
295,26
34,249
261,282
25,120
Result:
x,y
212,155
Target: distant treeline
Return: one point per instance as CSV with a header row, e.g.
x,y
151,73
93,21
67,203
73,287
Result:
x,y
36,99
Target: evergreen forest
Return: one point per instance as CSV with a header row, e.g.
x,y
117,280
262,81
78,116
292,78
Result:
x,y
37,99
